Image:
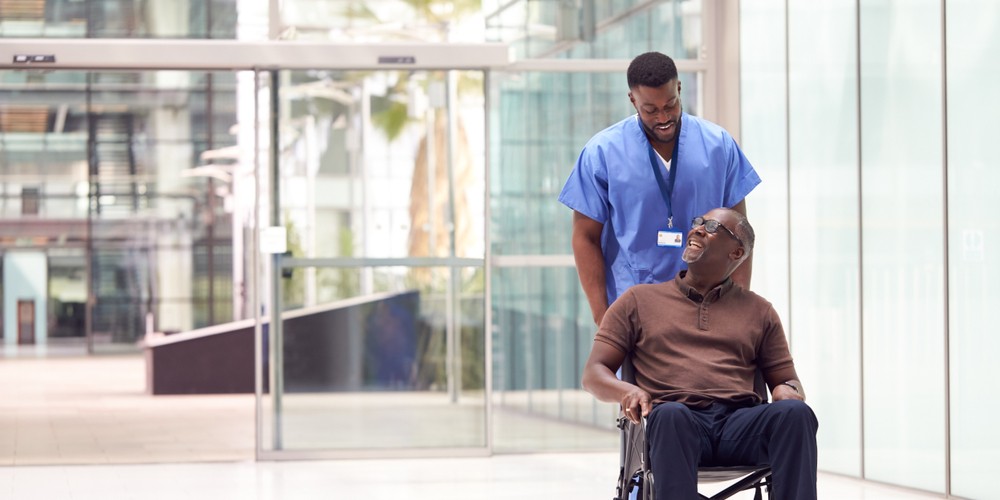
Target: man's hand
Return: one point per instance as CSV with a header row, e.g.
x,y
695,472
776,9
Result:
x,y
785,391
636,404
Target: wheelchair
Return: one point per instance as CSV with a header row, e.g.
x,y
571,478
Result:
x,y
635,476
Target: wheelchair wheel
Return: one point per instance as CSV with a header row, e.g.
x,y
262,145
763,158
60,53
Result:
x,y
641,487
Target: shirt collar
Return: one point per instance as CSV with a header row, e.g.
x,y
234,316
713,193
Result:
x,y
692,294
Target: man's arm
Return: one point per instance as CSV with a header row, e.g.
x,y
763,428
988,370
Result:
x,y
590,263
784,384
789,389
741,276
600,380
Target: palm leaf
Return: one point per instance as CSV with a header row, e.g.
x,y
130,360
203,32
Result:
x,y
392,119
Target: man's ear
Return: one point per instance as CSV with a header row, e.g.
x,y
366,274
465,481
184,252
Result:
x,y
631,98
738,254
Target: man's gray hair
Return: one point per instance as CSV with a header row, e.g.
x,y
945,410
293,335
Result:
x,y
744,230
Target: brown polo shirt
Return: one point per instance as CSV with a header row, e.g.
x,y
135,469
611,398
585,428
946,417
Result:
x,y
696,350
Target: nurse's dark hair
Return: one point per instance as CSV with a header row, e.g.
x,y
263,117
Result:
x,y
651,69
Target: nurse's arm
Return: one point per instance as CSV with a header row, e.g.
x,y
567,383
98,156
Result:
x,y
590,263
741,276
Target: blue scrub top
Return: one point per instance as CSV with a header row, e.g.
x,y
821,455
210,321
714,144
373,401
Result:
x,y
613,183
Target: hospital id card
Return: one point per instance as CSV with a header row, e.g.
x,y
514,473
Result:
x,y
666,238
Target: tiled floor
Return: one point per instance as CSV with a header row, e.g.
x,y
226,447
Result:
x,y
502,477
86,410
64,437
74,409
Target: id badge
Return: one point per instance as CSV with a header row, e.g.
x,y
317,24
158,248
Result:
x,y
665,238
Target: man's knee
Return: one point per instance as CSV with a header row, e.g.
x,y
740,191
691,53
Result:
x,y
671,417
792,412
669,412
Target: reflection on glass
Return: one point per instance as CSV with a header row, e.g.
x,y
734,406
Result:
x,y
356,21
161,230
390,369
763,96
903,246
973,43
118,19
380,165
388,164
543,328
595,30
823,223
115,164
541,339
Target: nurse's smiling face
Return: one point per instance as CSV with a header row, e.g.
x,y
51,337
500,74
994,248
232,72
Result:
x,y
659,110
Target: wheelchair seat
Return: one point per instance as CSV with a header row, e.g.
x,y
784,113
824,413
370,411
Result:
x,y
635,476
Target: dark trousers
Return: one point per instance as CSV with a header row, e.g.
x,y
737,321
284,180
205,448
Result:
x,y
782,434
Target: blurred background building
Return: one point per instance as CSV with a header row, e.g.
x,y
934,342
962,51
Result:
x,y
407,156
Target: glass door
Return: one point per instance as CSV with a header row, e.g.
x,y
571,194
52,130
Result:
x,y
378,186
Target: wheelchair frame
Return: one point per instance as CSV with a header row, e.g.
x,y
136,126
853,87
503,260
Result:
x,y
634,471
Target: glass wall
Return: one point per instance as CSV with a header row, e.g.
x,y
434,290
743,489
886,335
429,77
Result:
x,y
543,329
809,161
903,237
380,188
43,199
112,174
543,326
823,221
973,180
386,21
884,140
594,29
763,129
118,19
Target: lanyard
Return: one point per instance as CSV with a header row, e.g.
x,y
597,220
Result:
x,y
667,187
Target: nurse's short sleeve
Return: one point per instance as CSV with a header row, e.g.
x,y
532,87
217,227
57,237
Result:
x,y
741,178
586,190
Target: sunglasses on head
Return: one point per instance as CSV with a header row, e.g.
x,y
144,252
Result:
x,y
711,226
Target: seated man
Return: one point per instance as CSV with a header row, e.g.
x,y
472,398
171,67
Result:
x,y
695,343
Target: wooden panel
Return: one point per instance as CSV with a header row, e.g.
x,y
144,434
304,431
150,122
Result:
x,y
22,9
24,118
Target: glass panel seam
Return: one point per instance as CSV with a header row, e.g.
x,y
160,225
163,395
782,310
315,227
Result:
x,y
860,220
945,227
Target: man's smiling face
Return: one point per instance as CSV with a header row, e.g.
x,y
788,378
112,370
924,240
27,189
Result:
x,y
705,247
659,110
